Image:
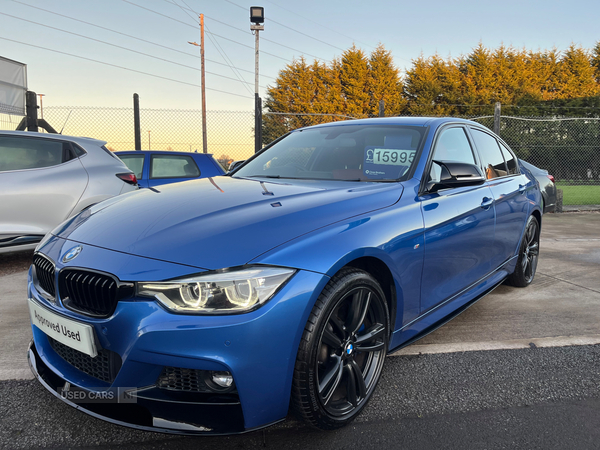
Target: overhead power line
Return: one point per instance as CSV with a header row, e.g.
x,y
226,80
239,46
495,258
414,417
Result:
x,y
244,31
119,67
136,38
222,53
123,48
226,58
187,24
317,23
304,34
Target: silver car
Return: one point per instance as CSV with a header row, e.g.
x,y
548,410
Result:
x,y
47,178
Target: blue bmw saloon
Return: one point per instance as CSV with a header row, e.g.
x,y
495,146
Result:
x,y
217,305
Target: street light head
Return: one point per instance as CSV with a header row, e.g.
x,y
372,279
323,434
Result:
x,y
257,14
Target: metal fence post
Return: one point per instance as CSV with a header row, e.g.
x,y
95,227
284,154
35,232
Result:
x,y
31,109
497,118
381,108
559,201
136,122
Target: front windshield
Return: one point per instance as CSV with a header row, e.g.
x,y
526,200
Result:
x,y
340,152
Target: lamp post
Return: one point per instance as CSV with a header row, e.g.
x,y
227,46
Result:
x,y
257,17
149,140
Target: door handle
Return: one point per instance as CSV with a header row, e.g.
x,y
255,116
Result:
x,y
487,202
522,188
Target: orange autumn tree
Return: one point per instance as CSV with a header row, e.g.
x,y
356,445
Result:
x,y
353,85
349,86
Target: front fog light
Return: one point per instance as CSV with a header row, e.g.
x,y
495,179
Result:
x,y
222,379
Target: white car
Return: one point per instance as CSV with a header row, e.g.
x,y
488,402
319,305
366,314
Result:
x,y
47,178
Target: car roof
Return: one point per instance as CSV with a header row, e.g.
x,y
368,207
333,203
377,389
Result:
x,y
158,152
410,121
76,139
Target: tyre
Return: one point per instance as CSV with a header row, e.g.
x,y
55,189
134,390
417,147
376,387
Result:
x,y
342,351
528,255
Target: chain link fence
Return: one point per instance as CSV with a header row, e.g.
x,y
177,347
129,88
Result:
x,y
569,148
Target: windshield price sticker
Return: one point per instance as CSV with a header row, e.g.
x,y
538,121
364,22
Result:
x,y
390,156
387,162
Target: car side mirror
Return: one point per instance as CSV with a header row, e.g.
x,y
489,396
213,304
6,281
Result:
x,y
235,164
456,174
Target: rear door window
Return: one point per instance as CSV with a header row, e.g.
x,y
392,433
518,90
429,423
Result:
x,y
173,166
491,156
18,153
511,161
135,163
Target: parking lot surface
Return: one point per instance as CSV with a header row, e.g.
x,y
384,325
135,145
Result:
x,y
534,386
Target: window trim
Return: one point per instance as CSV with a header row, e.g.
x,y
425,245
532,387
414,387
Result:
x,y
498,143
76,147
509,150
150,177
64,143
139,155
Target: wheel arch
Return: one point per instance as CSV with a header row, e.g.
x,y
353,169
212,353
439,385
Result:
x,y
538,215
381,272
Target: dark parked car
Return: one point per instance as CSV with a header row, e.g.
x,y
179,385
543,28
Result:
x,y
220,303
547,186
153,168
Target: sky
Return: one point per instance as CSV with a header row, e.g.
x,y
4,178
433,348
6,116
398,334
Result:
x,y
315,29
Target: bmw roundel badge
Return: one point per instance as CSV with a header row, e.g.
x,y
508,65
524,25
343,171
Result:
x,y
72,254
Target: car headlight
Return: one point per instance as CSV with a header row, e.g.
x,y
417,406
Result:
x,y
218,293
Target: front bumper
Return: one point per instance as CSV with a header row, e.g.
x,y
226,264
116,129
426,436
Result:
x,y
166,415
258,348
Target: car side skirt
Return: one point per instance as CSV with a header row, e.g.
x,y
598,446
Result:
x,y
449,309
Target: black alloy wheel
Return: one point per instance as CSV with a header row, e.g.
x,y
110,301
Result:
x,y
528,255
342,351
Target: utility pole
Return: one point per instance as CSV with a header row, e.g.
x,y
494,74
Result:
x,y
202,83
41,104
204,144
257,17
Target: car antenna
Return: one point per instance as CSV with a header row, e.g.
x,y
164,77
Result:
x,y
61,130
